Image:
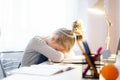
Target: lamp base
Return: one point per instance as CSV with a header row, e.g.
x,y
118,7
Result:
x,y
106,54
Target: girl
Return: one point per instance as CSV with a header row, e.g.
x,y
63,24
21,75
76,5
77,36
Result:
x,y
54,47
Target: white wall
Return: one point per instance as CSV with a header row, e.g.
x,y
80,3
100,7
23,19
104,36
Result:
x,y
96,29
114,14
118,1
97,33
20,20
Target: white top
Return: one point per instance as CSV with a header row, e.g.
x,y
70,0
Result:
x,y
38,51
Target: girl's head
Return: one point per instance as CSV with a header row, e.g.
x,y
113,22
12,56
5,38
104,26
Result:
x,y
66,38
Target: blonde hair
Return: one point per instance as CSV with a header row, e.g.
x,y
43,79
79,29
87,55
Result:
x,y
67,37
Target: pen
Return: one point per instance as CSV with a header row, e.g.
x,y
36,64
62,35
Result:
x,y
63,70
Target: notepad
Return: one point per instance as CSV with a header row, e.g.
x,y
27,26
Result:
x,y
75,59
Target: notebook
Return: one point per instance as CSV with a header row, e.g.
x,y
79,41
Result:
x,y
77,59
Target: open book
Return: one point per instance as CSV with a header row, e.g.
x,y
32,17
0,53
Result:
x,y
47,72
42,70
76,59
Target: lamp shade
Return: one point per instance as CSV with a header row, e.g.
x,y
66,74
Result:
x,y
98,7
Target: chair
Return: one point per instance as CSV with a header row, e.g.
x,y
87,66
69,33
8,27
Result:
x,y
2,71
10,60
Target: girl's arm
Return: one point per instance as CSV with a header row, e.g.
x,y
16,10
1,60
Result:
x,y
39,45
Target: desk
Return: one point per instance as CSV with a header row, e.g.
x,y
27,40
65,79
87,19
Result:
x,y
44,71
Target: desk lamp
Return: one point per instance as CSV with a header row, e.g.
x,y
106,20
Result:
x,y
99,8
